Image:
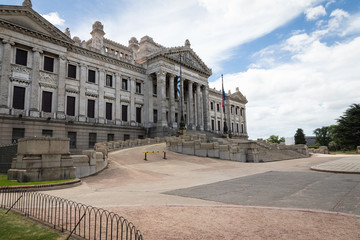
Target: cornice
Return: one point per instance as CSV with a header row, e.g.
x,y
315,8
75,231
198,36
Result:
x,y
101,57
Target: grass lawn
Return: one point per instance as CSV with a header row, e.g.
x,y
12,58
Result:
x,y
15,227
5,182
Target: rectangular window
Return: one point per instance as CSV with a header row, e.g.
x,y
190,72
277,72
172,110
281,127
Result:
x,y
212,124
138,114
232,109
236,110
211,105
46,101
126,137
242,128
124,111
71,71
70,106
155,116
237,127
232,127
219,127
109,111
138,87
91,108
47,133
110,137
72,136
108,80
92,140
141,137
241,112
154,88
176,117
17,133
21,57
218,107
48,64
124,84
19,98
91,76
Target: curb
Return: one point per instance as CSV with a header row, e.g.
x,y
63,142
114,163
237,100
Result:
x,y
42,187
333,171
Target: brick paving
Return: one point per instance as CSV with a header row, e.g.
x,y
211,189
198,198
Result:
x,y
344,165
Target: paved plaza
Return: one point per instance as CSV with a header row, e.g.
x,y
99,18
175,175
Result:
x,y
188,197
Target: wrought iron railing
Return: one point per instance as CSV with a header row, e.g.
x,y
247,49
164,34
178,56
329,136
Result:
x,y
68,216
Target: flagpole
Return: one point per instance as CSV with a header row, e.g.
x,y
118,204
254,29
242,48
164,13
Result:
x,y
223,105
182,121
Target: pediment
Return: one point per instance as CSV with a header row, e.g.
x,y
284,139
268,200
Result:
x,y
188,58
239,97
29,20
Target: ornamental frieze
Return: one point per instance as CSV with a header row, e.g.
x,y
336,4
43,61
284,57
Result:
x,y
20,72
48,78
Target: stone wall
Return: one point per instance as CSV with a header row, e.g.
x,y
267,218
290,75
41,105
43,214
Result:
x,y
46,159
105,147
234,149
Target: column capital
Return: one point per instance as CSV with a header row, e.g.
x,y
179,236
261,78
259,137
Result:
x,y
62,57
8,41
83,65
160,73
36,49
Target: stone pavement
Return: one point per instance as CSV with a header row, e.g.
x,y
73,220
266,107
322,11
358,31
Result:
x,y
343,165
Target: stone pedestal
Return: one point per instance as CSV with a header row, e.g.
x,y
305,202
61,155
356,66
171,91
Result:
x,y
42,159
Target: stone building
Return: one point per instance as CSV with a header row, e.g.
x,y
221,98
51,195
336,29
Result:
x,y
100,90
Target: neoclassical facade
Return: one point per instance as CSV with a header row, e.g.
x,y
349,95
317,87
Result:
x,y
52,84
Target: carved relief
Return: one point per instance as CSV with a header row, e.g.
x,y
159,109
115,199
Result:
x,y
91,92
20,72
48,78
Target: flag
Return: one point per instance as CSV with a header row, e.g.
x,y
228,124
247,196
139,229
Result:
x,y
223,92
178,85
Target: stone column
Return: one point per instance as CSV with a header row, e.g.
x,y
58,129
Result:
x,y
172,100
117,98
5,80
199,120
205,107
35,91
132,85
101,107
60,114
161,98
191,105
82,97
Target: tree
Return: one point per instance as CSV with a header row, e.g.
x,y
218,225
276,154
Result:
x,y
347,131
275,139
300,137
322,136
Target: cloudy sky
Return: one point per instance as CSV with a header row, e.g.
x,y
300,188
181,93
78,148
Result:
x,y
296,61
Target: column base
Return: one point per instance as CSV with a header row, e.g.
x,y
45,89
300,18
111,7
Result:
x,y
34,113
82,118
199,128
60,115
4,110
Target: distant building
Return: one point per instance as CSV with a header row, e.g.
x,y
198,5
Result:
x,y
99,90
310,141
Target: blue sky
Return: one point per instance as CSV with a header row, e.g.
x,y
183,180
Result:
x,y
296,61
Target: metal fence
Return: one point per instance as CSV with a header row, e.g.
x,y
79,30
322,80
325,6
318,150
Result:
x,y
7,153
65,215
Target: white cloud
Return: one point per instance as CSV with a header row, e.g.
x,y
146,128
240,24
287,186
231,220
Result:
x,y
315,13
214,27
54,18
308,92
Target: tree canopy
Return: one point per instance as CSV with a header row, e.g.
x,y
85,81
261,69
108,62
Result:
x,y
275,139
347,132
299,136
322,136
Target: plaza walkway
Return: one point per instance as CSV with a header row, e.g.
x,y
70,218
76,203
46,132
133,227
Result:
x,y
188,197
